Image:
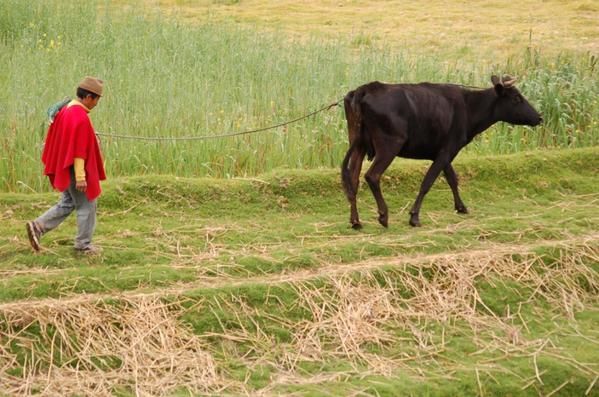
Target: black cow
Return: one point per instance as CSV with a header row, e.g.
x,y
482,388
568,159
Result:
x,y
421,121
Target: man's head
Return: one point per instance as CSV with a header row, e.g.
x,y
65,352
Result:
x,y
89,91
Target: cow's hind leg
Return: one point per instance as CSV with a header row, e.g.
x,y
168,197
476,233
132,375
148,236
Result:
x,y
350,176
452,180
380,163
355,167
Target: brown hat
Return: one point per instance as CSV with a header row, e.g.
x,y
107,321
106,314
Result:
x,y
92,84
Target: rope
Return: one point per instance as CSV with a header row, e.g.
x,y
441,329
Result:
x,y
203,137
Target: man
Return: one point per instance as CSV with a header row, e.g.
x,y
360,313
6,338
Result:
x,y
73,162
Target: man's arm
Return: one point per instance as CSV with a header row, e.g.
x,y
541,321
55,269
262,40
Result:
x,y
80,182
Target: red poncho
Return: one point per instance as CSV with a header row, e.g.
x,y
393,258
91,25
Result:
x,y
72,135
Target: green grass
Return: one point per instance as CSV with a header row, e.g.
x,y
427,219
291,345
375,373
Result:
x,y
167,78
241,255
150,223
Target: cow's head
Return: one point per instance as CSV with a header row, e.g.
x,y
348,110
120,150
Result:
x,y
511,106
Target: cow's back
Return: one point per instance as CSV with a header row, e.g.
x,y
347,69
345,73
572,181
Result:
x,y
422,114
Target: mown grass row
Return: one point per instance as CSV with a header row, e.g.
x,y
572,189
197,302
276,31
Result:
x,y
514,324
165,78
158,232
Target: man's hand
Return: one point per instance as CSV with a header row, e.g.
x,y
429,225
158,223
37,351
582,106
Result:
x,y
81,186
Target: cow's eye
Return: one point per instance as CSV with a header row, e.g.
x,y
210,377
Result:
x,y
518,98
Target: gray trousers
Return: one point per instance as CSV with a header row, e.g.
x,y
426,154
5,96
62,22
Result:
x,y
72,199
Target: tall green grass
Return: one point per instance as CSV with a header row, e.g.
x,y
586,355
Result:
x,y
166,78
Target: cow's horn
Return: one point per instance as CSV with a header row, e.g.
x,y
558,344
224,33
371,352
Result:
x,y
508,81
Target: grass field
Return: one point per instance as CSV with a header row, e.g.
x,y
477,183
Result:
x,y
264,280
169,78
480,30
229,266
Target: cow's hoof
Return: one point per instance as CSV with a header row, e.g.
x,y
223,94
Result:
x,y
356,226
414,221
384,220
461,209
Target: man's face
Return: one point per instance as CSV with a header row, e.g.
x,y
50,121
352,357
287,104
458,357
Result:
x,y
94,102
90,103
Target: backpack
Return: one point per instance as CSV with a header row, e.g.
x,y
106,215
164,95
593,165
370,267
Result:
x,y
55,108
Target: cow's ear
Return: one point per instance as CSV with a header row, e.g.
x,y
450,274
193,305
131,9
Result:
x,y
498,84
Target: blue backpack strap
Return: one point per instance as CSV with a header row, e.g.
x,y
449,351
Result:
x,y
55,108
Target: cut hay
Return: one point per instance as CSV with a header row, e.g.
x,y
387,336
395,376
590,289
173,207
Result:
x,y
345,319
99,349
382,317
406,309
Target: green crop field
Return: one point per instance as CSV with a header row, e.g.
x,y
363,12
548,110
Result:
x,y
229,266
167,78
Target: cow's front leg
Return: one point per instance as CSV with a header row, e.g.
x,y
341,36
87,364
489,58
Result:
x,y
432,174
452,180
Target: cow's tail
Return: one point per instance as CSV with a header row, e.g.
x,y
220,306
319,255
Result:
x,y
354,125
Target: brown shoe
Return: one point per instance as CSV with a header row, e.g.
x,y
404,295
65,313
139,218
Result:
x,y
89,250
34,234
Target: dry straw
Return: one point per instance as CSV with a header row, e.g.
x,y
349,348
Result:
x,y
100,348
402,318
377,320
408,310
